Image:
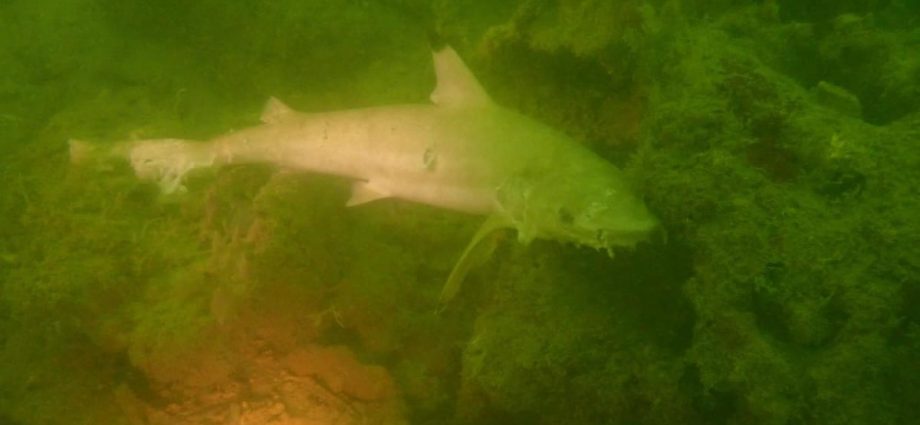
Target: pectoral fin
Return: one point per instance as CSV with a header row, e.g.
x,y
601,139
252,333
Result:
x,y
477,252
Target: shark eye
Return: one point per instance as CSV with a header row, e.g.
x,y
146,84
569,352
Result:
x,y
565,217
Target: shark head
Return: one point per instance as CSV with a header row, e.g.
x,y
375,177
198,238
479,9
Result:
x,y
589,206
609,218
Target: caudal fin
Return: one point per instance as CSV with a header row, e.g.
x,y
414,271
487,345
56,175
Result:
x,y
168,161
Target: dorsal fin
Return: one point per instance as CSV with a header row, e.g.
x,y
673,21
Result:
x,y
456,86
275,111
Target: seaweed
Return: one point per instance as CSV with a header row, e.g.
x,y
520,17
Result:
x,y
774,140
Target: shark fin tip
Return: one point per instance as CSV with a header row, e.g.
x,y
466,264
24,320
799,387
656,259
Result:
x,y
275,110
364,192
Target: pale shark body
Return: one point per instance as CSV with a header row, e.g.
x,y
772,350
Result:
x,y
461,152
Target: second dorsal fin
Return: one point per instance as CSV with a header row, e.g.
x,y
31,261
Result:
x,y
456,86
275,111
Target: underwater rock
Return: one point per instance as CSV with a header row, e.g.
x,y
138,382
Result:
x,y
311,384
838,98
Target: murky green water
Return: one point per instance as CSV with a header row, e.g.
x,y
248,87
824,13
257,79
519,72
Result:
x,y
776,142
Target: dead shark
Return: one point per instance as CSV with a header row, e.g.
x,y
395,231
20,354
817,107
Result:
x,y
461,152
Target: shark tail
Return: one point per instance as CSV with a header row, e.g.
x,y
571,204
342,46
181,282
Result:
x,y
164,161
168,161
86,153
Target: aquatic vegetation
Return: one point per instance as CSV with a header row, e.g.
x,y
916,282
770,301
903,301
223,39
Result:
x,y
785,292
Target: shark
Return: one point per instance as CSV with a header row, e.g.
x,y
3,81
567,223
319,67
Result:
x,y
462,152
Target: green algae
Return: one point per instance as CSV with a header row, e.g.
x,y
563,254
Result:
x,y
784,293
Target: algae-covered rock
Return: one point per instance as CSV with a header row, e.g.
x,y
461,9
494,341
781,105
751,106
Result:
x,y
774,140
774,190
562,342
838,99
